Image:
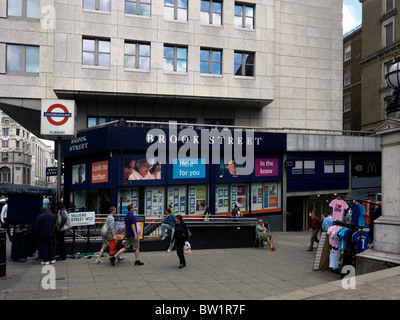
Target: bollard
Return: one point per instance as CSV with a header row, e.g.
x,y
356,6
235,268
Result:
x,y
3,252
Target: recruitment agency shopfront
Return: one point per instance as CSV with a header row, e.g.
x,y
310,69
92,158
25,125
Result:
x,y
189,169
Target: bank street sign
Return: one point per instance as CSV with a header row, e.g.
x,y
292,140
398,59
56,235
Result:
x,y
58,118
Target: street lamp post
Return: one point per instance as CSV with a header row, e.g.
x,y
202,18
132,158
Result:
x,y
393,80
121,125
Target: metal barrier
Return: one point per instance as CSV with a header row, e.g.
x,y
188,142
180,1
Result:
x,y
152,227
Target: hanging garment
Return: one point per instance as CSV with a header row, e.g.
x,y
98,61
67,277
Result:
x,y
355,213
338,208
363,212
334,259
361,243
332,239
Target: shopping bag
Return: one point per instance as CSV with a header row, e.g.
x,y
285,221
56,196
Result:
x,y
113,248
187,248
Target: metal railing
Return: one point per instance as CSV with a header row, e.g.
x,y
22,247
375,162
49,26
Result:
x,y
152,227
198,126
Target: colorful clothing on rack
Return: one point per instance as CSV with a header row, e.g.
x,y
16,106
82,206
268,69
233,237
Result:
x,y
334,259
338,208
361,219
333,240
361,239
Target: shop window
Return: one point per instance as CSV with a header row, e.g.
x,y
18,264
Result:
x,y
198,199
177,198
154,201
222,198
127,196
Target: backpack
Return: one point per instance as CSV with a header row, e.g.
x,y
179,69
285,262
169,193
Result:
x,y
64,217
104,230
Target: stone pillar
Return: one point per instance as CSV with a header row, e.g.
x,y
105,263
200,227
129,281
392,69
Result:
x,y
386,246
387,227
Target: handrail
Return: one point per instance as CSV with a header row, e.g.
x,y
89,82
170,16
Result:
x,y
182,125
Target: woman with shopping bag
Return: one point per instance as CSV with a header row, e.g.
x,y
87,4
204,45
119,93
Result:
x,y
180,236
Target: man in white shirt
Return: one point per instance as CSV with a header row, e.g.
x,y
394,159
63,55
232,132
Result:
x,y
3,218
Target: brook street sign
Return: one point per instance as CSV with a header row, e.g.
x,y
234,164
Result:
x,y
58,118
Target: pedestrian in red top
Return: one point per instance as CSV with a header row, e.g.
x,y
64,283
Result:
x,y
315,224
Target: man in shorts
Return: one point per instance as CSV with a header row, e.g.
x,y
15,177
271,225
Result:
x,y
132,237
263,234
110,234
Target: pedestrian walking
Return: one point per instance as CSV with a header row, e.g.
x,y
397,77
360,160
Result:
x,y
4,222
180,236
169,224
315,224
63,222
44,230
110,221
132,237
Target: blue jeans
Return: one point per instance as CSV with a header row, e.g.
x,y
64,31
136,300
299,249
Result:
x,y
170,228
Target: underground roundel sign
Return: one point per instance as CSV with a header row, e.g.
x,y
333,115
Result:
x,y
58,118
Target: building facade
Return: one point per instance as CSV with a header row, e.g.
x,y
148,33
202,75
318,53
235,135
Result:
x,y
380,41
273,66
24,157
253,63
352,80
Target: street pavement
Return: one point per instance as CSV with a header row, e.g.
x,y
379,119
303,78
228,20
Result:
x,y
217,274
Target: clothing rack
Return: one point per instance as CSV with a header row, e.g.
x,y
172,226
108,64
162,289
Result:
x,y
346,198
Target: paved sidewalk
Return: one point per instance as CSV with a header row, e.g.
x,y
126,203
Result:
x,y
219,274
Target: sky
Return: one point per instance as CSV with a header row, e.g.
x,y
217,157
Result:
x,y
351,15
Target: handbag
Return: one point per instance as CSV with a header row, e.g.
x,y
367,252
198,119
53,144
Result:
x,y
104,230
187,248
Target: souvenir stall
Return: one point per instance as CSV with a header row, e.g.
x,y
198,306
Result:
x,y
350,232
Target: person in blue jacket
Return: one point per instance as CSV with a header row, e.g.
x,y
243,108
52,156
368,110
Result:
x,y
168,223
44,230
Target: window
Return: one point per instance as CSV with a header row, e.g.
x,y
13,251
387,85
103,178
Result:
x,y
96,52
347,77
4,143
211,12
17,144
6,131
24,8
21,58
137,55
175,58
210,61
389,5
389,33
176,9
347,125
5,173
17,131
347,103
244,64
4,156
244,16
138,7
347,52
100,5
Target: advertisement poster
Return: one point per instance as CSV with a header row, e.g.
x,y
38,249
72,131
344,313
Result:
x,y
141,169
266,167
100,172
78,173
189,168
120,226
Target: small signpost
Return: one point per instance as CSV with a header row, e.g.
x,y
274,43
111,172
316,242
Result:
x,y
58,120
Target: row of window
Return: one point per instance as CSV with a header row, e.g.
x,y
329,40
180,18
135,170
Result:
x,y
97,52
210,10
